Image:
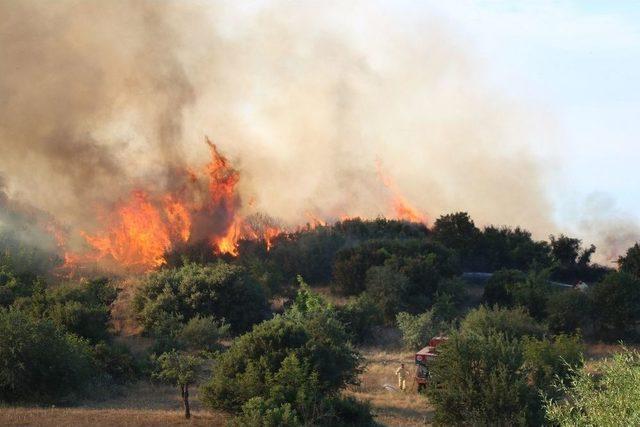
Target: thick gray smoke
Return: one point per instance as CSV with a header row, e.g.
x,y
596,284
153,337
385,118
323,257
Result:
x,y
101,97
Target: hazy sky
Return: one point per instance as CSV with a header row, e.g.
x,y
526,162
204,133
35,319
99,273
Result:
x,y
578,62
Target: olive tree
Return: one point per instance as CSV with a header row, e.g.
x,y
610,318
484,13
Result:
x,y
181,369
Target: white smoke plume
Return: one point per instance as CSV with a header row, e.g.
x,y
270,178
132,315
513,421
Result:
x,y
99,98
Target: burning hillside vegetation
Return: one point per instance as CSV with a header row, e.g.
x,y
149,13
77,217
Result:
x,y
202,207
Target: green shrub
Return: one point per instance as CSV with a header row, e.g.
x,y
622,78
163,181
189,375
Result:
x,y
568,311
203,333
533,293
387,289
361,317
495,369
513,323
39,362
116,363
258,413
616,306
549,361
220,290
607,394
300,359
477,380
90,322
496,291
418,329
13,287
81,308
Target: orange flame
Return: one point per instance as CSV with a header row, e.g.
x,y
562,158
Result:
x,y
228,244
141,230
203,204
403,209
139,235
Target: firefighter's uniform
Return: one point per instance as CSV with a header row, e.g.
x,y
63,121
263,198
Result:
x,y
402,373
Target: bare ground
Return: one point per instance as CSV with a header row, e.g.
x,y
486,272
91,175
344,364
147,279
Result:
x,y
144,404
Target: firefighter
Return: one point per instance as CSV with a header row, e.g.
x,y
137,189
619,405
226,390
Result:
x,y
402,373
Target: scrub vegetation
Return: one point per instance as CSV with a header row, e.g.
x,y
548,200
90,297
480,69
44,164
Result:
x,y
310,331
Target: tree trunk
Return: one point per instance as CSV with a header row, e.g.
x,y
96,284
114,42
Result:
x,y
185,399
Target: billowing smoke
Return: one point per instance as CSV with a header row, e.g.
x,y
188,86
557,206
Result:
x,y
102,97
610,229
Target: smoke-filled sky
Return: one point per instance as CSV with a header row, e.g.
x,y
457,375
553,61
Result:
x,y
518,115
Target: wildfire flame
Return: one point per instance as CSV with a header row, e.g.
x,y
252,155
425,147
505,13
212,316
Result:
x,y
202,205
139,231
401,206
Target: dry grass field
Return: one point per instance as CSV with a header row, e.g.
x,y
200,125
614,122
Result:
x,y
147,404
378,386
68,417
141,405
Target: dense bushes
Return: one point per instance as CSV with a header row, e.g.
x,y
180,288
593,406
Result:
x,y
289,369
515,323
607,394
361,318
220,290
608,309
497,288
616,302
55,341
490,249
476,380
422,262
81,308
418,329
569,311
39,362
494,369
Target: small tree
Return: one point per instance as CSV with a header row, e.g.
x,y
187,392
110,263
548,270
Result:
x,y
181,369
293,366
630,262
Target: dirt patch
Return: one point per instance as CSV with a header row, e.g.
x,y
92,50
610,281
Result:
x,y
378,385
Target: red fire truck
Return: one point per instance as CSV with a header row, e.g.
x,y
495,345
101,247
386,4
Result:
x,y
424,357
